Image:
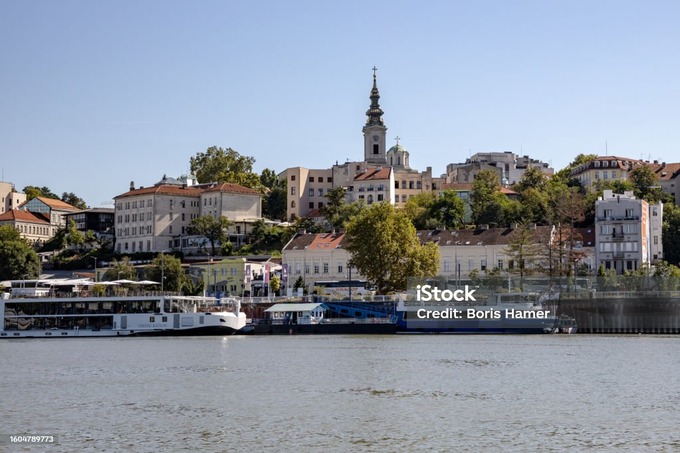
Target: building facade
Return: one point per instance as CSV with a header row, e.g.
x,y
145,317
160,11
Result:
x,y
9,198
627,232
156,218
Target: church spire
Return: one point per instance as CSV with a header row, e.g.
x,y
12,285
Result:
x,y
374,113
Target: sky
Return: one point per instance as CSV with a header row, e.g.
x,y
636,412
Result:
x,y
98,94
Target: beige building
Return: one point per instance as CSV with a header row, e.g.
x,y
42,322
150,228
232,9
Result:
x,y
606,168
155,219
33,227
317,257
509,166
9,198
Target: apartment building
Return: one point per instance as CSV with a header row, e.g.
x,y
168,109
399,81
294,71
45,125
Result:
x,y
156,218
627,232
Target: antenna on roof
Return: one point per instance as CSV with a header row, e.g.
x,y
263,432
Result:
x,y
606,148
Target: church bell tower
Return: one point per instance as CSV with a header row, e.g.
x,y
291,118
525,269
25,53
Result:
x,y
375,131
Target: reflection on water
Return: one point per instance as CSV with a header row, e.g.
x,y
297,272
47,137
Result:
x,y
344,393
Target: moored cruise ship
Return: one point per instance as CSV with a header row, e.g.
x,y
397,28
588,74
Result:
x,y
41,309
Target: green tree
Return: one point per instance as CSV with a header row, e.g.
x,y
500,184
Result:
x,y
18,260
167,270
666,276
645,184
562,176
275,284
73,200
534,204
532,178
448,209
300,283
120,270
274,195
35,192
214,229
224,165
385,249
419,210
670,233
74,236
486,201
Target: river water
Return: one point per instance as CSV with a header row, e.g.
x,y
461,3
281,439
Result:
x,y
344,393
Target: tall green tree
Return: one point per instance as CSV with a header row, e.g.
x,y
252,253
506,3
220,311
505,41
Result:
x,y
274,196
18,260
74,236
73,200
385,249
224,165
645,184
486,200
214,229
448,209
167,270
670,233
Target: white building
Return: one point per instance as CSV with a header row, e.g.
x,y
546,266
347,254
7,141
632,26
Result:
x,y
155,219
627,232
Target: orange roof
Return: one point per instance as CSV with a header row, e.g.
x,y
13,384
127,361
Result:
x,y
53,203
326,241
231,188
164,189
195,191
374,173
23,216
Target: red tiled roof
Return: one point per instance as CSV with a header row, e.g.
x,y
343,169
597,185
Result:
x,y
195,191
666,172
374,173
318,241
23,216
164,189
231,188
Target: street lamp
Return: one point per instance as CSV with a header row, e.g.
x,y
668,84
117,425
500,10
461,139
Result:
x,y
95,268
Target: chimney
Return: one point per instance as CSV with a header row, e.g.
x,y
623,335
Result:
x,y
132,185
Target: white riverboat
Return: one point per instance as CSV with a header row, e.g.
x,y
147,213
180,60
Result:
x,y
42,309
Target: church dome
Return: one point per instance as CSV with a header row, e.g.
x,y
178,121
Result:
x,y
398,149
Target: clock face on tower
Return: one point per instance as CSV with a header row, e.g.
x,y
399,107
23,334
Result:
x,y
376,138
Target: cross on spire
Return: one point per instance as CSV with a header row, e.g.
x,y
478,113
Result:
x,y
374,69
397,139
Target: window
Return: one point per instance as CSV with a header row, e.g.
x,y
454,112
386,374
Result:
x,y
316,268
500,264
170,229
320,205
340,267
311,179
320,192
410,184
396,198
311,192
329,179
482,264
292,204
376,149
311,205
292,190
292,177
325,268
